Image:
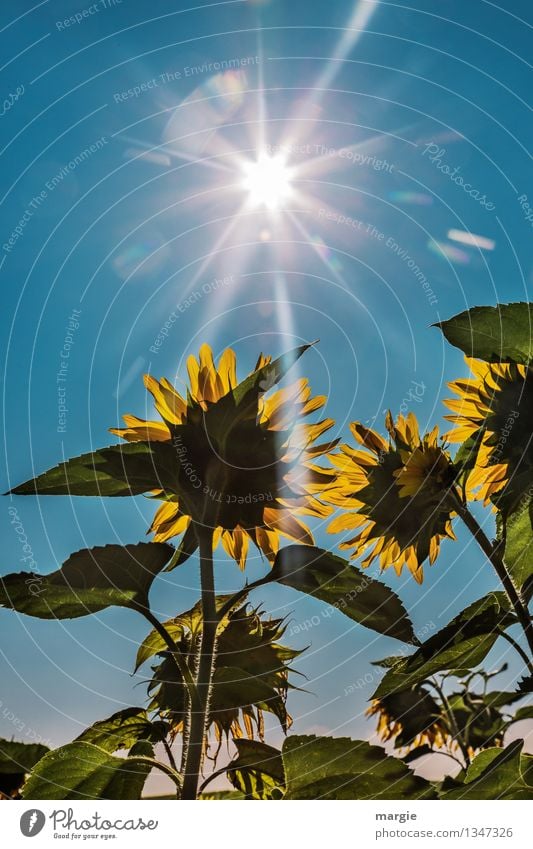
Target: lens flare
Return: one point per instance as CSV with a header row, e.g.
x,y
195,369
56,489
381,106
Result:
x,y
267,181
449,252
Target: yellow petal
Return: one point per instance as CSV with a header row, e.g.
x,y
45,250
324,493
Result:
x,y
288,525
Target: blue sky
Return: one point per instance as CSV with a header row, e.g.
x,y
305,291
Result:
x,y
125,134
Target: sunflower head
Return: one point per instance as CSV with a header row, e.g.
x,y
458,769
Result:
x,y
234,457
495,408
251,674
394,492
411,718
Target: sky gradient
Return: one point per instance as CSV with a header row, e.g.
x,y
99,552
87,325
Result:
x,y
128,239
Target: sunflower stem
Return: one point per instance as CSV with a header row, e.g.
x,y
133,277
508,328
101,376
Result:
x,y
199,716
492,553
454,728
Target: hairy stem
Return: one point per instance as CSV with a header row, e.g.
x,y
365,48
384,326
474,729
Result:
x,y
199,716
170,756
493,555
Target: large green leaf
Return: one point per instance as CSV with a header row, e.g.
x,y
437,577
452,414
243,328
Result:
x,y
343,586
17,759
340,768
90,580
129,469
84,771
257,771
123,730
495,774
462,644
493,334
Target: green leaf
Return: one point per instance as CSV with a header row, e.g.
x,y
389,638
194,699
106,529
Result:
x,y
244,398
466,456
235,689
493,334
265,378
90,580
129,469
84,771
123,730
500,698
418,752
188,621
462,644
343,586
257,771
495,774
518,536
525,712
20,757
16,760
185,548
340,768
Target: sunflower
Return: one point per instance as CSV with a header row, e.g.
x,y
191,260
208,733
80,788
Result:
x,y
496,402
411,718
397,489
251,675
238,461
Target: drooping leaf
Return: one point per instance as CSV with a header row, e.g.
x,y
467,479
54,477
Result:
x,y
84,771
495,774
123,730
257,771
493,334
90,580
119,470
340,768
343,586
419,752
462,644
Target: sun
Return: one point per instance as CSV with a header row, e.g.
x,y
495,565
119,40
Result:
x,y
267,181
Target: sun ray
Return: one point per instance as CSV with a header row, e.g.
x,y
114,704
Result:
x,y
361,14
